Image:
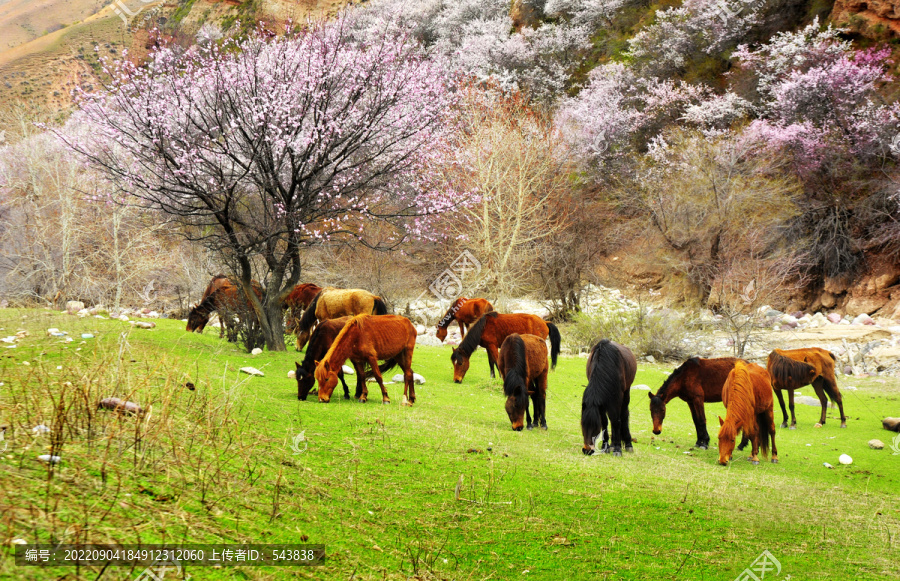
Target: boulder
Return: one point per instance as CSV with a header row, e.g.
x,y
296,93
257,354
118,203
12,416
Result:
x,y
834,318
252,371
828,300
417,379
72,307
863,319
865,304
876,444
348,370
120,405
256,351
892,424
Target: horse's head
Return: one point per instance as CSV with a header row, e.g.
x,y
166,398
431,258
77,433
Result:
x,y
441,333
196,321
516,405
327,378
726,442
460,365
305,381
302,338
657,412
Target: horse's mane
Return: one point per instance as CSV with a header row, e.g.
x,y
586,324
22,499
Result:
x,y
788,372
355,322
675,374
607,376
309,315
448,316
514,383
740,413
470,343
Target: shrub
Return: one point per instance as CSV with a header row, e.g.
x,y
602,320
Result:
x,y
657,333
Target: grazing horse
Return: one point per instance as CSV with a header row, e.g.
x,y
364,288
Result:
x,y
332,303
298,299
794,368
610,370
696,381
225,298
490,331
366,339
465,312
319,343
747,396
523,366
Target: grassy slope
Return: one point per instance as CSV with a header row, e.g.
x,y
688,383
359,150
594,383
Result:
x,y
376,484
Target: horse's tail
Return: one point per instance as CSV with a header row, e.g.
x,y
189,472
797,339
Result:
x,y
385,367
830,388
765,432
380,308
555,340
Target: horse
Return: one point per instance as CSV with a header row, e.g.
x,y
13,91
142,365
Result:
x,y
489,332
465,312
696,381
610,370
794,368
331,303
298,299
225,298
366,339
523,366
319,343
747,396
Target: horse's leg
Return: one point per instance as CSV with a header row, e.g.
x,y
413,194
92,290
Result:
x,y
771,419
793,425
754,455
744,441
823,399
784,424
614,409
540,385
373,363
493,357
604,430
362,391
409,385
528,403
698,414
626,430
344,383
838,398
462,329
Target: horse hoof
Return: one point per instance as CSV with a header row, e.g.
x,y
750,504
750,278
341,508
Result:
x,y
604,450
783,424
617,453
346,397
701,446
544,427
817,426
530,427
361,400
629,449
587,451
754,462
386,401
843,425
792,427
774,460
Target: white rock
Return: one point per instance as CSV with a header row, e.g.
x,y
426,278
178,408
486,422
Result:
x,y
143,324
292,374
73,307
348,370
417,379
40,429
827,465
863,319
876,444
641,387
123,318
48,459
52,330
420,329
256,351
834,318
845,460
789,320
252,371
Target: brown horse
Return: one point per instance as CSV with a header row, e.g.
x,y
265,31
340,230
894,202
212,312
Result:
x,y
226,299
465,312
319,343
298,299
523,366
610,370
366,339
332,303
794,368
696,381
490,331
747,396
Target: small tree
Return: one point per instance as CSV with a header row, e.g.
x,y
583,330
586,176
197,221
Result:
x,y
262,146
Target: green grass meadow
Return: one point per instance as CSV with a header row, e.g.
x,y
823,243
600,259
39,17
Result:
x,y
377,484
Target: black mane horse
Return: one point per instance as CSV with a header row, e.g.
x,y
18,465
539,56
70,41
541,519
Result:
x,y
523,366
610,370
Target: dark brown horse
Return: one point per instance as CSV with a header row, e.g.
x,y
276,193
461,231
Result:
x,y
523,366
332,303
747,396
490,331
319,343
366,339
298,299
794,368
610,370
225,298
465,312
696,381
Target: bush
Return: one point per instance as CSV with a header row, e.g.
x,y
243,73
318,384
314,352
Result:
x,y
660,333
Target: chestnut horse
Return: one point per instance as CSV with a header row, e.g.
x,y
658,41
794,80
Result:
x,y
366,339
523,366
610,370
490,331
465,312
332,303
298,299
794,368
696,381
226,299
747,396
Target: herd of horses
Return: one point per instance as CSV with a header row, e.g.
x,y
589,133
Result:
x,y
336,325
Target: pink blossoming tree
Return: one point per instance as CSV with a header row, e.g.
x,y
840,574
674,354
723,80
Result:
x,y
262,146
